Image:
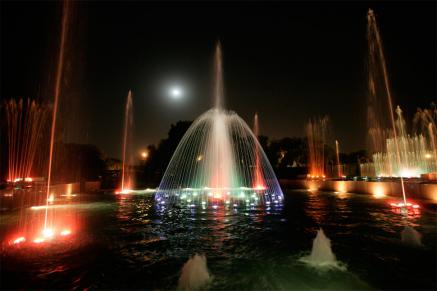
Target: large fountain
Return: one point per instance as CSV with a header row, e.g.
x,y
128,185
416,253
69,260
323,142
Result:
x,y
219,161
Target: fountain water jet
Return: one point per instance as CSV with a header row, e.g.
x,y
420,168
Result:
x,y
126,173
376,56
194,274
217,161
59,73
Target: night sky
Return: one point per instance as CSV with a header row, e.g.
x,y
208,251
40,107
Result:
x,y
286,61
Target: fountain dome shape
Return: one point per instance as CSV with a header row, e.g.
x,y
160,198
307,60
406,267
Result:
x,y
219,161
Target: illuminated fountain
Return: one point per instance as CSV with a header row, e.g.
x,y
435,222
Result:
x,y
317,134
126,172
43,222
194,274
416,152
380,91
24,122
395,153
219,161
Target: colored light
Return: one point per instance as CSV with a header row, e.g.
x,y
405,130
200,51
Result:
x,y
379,192
48,233
38,240
19,240
65,232
51,198
124,191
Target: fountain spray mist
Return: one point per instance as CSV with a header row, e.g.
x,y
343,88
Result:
x,y
373,34
59,71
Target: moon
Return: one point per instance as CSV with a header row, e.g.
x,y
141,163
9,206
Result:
x,y
176,93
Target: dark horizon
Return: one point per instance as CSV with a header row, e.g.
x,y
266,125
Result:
x,y
286,61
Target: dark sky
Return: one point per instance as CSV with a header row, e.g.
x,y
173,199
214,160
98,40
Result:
x,y
287,61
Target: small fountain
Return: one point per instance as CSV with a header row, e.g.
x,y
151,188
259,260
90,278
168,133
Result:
x,y
411,237
321,256
194,274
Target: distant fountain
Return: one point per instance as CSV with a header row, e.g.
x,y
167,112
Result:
x,y
25,121
126,171
317,135
416,152
219,161
411,237
321,255
337,152
194,274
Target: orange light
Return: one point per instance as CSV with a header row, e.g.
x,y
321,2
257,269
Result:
x,y
51,198
65,232
124,191
379,192
48,233
28,179
19,240
38,240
